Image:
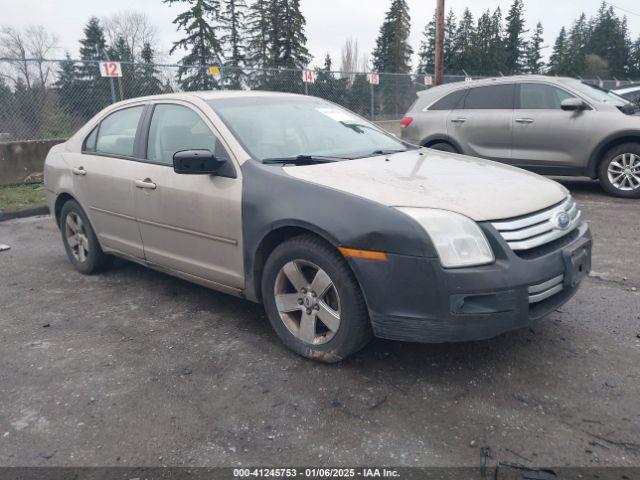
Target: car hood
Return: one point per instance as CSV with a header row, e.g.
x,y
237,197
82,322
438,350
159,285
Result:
x,y
480,189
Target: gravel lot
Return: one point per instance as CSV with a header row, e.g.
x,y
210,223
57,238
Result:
x,y
134,367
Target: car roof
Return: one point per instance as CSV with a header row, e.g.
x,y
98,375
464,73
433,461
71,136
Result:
x,y
447,87
627,89
210,95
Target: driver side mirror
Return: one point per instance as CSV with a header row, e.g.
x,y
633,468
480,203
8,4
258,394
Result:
x,y
573,104
197,162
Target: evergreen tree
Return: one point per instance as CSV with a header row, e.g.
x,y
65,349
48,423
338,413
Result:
x,y
463,46
514,43
233,20
609,40
328,86
558,58
497,51
533,53
576,49
634,59
450,27
427,52
482,45
293,42
147,73
258,47
200,23
67,84
92,91
393,52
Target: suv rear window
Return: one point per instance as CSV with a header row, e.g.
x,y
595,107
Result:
x,y
448,102
494,97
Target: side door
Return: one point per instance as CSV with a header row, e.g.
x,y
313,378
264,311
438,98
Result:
x,y
102,179
190,224
546,136
482,122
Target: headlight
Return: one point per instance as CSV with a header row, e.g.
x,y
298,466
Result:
x,y
458,239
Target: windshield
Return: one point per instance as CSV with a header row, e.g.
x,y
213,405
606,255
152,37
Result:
x,y
274,127
594,93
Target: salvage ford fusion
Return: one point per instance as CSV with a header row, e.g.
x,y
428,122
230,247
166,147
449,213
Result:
x,y
340,229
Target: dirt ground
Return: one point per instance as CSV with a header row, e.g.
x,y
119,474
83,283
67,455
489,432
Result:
x,y
134,367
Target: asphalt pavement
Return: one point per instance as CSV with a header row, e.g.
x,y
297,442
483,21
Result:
x,y
134,367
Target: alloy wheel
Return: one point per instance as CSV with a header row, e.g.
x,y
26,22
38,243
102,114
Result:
x,y
76,237
624,172
307,301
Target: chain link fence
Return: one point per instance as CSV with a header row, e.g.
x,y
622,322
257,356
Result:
x,y
46,99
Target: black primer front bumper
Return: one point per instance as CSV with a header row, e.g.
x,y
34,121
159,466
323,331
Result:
x,y
416,299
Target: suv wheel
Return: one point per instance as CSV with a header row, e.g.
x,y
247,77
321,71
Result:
x,y
80,240
444,147
313,301
619,171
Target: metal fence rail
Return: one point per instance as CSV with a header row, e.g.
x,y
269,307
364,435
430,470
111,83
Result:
x,y
43,99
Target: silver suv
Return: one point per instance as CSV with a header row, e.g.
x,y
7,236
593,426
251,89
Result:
x,y
550,125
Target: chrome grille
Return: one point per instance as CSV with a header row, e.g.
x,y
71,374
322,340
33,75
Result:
x,y
531,231
544,290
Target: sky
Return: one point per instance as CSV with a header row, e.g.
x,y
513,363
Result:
x,y
329,22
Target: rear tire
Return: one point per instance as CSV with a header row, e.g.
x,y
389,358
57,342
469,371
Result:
x,y
443,147
619,171
80,241
320,312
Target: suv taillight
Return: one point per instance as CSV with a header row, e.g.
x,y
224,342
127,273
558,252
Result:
x,y
406,121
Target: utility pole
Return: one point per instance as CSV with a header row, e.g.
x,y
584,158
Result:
x,y
439,41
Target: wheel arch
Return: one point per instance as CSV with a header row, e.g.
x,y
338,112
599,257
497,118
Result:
x,y
630,136
61,199
440,138
277,235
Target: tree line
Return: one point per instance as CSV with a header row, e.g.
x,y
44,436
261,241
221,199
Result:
x,y
596,46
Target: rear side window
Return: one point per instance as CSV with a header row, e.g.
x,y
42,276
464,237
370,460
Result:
x,y
448,102
117,132
537,96
494,97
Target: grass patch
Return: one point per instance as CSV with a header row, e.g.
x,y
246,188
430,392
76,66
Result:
x,y
21,197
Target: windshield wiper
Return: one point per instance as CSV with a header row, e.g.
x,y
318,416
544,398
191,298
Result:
x,y
389,151
302,160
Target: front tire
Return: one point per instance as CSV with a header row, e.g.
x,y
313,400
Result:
x,y
313,300
80,241
619,171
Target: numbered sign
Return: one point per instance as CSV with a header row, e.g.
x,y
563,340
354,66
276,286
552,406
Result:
x,y
467,79
617,83
374,79
214,71
428,80
308,76
110,69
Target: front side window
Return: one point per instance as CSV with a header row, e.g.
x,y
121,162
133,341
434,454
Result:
x,y
175,128
538,96
493,97
117,132
90,141
276,127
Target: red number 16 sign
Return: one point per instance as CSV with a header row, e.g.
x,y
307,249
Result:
x,y
110,69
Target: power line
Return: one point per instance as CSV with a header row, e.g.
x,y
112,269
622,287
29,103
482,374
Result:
x,y
623,9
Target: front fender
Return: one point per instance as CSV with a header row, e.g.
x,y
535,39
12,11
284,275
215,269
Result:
x,y
272,199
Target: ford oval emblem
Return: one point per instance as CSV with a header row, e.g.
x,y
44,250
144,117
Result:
x,y
562,220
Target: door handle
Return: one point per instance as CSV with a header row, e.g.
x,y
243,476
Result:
x,y
524,120
459,120
79,171
146,183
